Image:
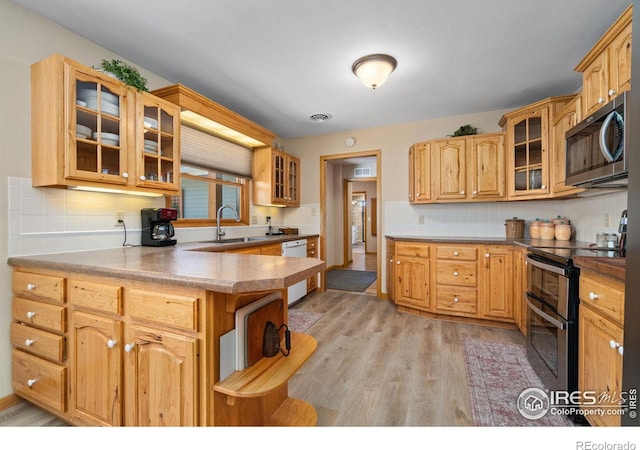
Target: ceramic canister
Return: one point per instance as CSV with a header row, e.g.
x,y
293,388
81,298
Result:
x,y
562,231
534,229
547,230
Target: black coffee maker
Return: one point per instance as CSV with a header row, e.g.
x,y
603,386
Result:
x,y
157,229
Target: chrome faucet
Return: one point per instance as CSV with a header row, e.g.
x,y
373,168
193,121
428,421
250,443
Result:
x,y
219,231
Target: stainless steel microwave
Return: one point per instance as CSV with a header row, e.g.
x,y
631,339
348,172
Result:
x,y
595,148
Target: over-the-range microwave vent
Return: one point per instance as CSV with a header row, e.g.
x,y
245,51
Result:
x,y
362,172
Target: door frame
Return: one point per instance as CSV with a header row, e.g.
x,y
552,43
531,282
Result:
x,y
324,160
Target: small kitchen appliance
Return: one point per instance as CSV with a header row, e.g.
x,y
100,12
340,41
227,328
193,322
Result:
x,y
622,229
157,229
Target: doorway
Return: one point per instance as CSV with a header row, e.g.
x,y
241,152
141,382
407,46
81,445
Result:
x,y
338,183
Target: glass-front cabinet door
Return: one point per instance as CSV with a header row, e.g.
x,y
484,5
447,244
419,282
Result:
x,y
530,169
279,169
157,152
293,181
96,128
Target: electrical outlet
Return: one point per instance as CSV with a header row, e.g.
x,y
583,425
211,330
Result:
x,y
420,219
607,219
254,220
119,217
313,212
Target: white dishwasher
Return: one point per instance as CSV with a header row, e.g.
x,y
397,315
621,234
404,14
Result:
x,y
296,249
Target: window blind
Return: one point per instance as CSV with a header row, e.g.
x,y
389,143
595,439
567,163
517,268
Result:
x,y
211,152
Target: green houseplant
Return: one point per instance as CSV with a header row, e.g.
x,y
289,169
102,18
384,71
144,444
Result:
x,y
125,73
464,130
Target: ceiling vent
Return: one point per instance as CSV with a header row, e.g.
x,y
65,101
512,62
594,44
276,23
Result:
x,y
362,172
320,117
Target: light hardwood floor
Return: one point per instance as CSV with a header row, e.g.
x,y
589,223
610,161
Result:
x,y
374,366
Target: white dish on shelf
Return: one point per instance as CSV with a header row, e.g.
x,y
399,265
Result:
x,y
105,107
150,151
107,138
82,131
150,123
151,145
89,95
81,103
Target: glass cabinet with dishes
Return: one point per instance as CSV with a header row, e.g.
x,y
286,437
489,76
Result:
x,y
91,130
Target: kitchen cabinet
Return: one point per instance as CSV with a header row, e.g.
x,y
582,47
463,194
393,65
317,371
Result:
x,y
528,144
468,168
455,280
606,69
420,173
390,266
497,282
38,330
411,272
91,130
567,118
312,252
600,344
519,288
276,177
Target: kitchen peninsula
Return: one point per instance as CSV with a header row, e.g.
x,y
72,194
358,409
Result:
x,y
131,336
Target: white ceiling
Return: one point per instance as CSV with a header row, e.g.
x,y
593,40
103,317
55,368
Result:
x,y
277,62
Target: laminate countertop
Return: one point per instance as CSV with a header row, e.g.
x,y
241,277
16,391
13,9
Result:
x,y
190,264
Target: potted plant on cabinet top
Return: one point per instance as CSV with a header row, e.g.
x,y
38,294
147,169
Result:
x,y
127,74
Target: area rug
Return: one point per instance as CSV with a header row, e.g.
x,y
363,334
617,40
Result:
x,y
497,374
299,321
350,280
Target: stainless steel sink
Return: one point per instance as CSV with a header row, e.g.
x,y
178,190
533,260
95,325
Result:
x,y
235,240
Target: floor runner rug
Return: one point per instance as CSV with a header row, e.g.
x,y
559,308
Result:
x,y
299,321
497,374
350,280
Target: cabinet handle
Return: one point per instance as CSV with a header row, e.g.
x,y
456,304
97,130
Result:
x,y
612,91
455,253
455,274
125,175
111,343
31,286
129,347
456,299
31,382
593,296
31,314
29,342
142,178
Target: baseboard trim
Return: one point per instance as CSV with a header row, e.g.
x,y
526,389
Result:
x,y
9,401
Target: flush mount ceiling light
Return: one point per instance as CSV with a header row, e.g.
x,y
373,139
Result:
x,y
373,70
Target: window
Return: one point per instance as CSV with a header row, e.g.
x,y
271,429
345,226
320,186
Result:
x,y
203,191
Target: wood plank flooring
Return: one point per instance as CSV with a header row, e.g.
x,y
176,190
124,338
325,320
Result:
x,y
374,366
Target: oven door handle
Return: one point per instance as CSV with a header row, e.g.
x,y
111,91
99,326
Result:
x,y
545,266
557,323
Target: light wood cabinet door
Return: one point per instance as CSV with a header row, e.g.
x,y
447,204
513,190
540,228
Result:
x,y
595,82
519,288
412,282
497,282
600,361
566,119
293,181
276,178
487,164
161,383
420,173
96,369
449,159
620,63
390,266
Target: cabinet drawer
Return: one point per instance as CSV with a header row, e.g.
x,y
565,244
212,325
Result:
x,y
38,314
606,299
169,309
412,249
44,286
41,343
105,297
456,273
457,253
40,380
457,300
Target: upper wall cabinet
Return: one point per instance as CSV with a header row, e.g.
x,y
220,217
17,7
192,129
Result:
x,y
528,144
276,177
606,69
89,129
567,118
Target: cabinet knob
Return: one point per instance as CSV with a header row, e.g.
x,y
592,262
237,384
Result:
x,y
391,260
29,342
612,91
142,178
31,382
129,347
621,350
456,299
111,343
31,286
600,100
455,274
461,192
31,314
398,262
475,192
313,253
544,186
125,175
487,255
593,296
417,195
613,344
456,253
